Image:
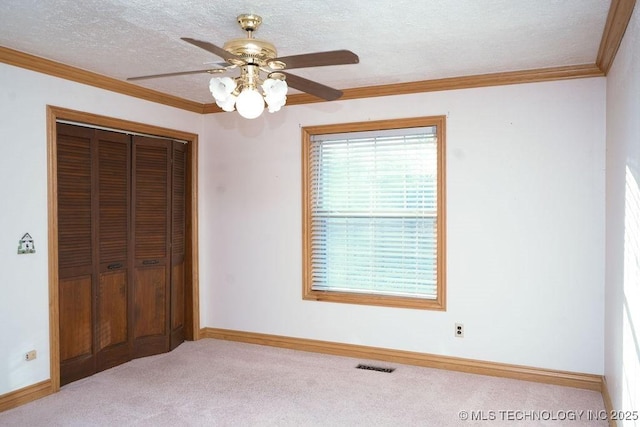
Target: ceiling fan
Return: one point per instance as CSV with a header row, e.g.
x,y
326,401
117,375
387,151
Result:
x,y
255,57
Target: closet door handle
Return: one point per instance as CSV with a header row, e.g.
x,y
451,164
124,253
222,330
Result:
x,y
150,262
114,266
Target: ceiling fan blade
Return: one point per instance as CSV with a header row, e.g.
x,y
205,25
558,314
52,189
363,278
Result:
x,y
216,50
179,73
313,88
319,59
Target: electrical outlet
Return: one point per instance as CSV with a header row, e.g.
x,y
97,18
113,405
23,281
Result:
x,y
30,355
459,330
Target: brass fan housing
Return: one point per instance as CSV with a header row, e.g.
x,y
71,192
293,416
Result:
x,y
251,50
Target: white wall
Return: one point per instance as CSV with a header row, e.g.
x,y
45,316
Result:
x,y
622,320
525,227
525,222
24,299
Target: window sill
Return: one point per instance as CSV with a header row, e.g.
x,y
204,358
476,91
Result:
x,y
377,300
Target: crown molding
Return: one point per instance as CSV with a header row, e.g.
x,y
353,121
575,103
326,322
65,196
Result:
x,y
67,72
56,69
451,83
617,21
463,82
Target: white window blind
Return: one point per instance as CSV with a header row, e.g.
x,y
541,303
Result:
x,y
373,212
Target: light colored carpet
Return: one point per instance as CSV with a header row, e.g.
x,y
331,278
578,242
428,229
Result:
x,y
221,383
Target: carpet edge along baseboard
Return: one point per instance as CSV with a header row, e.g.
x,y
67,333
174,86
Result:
x,y
525,373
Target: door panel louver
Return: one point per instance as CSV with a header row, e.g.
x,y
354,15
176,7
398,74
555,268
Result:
x,y
113,190
178,202
151,163
74,198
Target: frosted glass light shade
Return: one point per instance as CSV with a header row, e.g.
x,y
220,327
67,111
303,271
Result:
x,y
250,103
221,87
275,87
275,91
227,104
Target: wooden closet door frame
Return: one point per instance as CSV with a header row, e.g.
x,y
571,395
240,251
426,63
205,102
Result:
x,y
192,310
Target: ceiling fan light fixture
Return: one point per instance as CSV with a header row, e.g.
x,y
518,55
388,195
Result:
x,y
250,103
248,92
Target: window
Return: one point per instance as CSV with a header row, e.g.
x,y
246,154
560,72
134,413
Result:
x,y
373,213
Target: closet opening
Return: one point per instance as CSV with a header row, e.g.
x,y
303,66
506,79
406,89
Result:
x,y
123,279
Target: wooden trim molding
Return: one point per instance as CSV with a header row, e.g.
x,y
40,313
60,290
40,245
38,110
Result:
x,y
608,405
25,395
56,69
368,298
193,249
52,207
56,113
618,19
67,72
517,372
464,82
452,83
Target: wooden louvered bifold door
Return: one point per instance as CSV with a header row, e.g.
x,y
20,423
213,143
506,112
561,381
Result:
x,y
151,239
75,253
178,232
92,250
121,247
112,300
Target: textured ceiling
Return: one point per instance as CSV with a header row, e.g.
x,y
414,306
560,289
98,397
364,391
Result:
x,y
397,41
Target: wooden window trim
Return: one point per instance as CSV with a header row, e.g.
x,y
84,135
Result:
x,y
368,299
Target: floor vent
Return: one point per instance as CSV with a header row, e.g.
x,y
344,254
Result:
x,y
375,368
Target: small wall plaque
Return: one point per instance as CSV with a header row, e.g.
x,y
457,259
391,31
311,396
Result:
x,y
26,245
